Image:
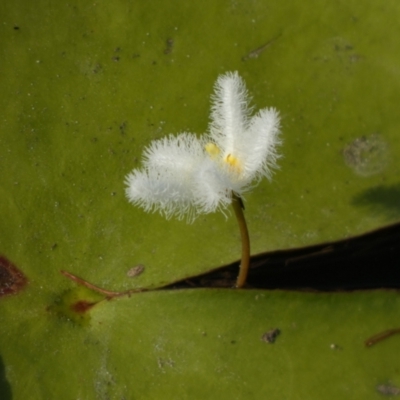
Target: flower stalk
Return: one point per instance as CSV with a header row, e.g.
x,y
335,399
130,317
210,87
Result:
x,y
238,208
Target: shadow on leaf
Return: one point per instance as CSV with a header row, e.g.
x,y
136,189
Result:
x,y
381,199
5,388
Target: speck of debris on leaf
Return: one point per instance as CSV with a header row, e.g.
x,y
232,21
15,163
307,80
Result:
x,y
271,335
135,271
169,46
388,390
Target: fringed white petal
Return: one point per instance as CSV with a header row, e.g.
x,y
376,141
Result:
x,y
257,146
180,153
155,191
229,112
175,172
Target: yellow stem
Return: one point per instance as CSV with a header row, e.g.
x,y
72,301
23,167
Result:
x,y
245,262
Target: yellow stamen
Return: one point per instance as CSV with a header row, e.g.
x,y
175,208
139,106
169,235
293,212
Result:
x,y
213,150
234,163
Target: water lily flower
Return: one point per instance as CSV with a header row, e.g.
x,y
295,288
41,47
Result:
x,y
187,175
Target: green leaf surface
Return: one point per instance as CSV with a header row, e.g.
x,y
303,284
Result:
x,y
196,344
85,86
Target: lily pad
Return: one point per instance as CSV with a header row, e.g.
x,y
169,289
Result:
x,y
92,85
206,343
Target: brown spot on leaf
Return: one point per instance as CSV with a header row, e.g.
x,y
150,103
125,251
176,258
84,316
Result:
x,y
12,280
82,306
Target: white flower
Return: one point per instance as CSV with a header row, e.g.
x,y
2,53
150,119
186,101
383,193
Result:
x,y
187,175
